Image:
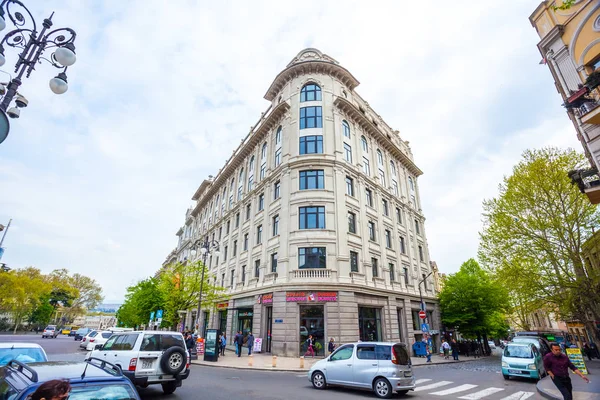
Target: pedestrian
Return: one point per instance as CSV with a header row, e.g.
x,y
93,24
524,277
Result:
x,y
239,343
446,348
57,389
595,351
250,342
454,348
223,343
189,343
557,365
587,351
331,346
309,346
428,353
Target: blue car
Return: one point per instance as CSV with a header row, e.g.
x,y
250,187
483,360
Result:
x,y
91,379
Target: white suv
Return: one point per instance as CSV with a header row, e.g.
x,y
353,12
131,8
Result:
x,y
148,357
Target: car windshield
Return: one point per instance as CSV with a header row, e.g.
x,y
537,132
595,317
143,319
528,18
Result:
x,y
26,355
527,340
112,391
518,351
81,331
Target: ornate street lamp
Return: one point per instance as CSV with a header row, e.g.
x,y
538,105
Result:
x,y
206,247
33,45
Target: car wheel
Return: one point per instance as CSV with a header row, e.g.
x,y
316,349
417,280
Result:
x,y
506,377
382,388
169,387
173,360
318,380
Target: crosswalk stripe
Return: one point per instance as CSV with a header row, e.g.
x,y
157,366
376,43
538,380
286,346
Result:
x,y
432,386
419,381
456,389
519,396
481,394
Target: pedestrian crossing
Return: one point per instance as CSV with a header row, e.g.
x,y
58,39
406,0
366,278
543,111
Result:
x,y
445,388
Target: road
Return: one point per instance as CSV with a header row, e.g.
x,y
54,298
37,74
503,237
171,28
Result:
x,y
472,380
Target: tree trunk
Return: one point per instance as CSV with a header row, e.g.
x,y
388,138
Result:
x,y
17,323
486,346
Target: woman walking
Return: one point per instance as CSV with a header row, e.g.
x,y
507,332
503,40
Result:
x,y
309,346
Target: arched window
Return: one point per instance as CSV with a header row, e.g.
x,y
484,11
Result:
x,y
310,92
393,168
346,128
263,152
251,167
365,146
379,157
278,136
241,176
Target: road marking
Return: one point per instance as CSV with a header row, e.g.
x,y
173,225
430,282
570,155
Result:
x,y
456,389
519,396
432,386
419,381
482,393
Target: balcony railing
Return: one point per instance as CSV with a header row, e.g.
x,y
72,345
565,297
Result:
x,y
312,273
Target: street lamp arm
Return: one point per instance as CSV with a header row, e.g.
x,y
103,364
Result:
x,y
16,16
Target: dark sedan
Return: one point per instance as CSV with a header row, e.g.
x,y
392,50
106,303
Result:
x,y
81,332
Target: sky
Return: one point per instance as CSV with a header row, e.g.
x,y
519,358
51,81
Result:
x,y
98,180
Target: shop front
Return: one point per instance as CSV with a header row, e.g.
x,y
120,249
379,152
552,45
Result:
x,y
266,300
222,316
369,324
244,321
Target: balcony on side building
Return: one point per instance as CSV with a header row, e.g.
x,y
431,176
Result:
x,y
313,275
588,181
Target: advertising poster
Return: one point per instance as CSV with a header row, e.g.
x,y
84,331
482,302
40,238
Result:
x,y
200,348
577,359
257,345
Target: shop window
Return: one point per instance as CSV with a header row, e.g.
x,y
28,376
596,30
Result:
x,y
369,324
312,324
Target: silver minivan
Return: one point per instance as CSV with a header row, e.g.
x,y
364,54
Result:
x,y
382,367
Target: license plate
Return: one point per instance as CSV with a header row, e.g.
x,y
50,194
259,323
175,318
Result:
x,y
515,371
146,364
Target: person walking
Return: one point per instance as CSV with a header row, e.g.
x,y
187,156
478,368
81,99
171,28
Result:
x,y
309,346
189,343
223,344
239,343
250,342
587,351
428,352
56,389
331,346
557,365
454,348
446,348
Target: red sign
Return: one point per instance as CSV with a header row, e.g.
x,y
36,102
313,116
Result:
x,y
311,296
267,298
221,306
422,314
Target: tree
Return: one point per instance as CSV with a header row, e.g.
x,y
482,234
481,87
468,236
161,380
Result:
x,y
141,299
474,303
42,314
88,295
533,235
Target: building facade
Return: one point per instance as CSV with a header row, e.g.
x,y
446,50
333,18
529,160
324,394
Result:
x,y
318,219
570,47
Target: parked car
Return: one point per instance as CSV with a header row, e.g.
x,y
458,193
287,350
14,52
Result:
x,y
85,340
523,360
540,342
72,332
491,344
95,340
26,352
81,332
66,331
148,357
91,379
382,367
51,331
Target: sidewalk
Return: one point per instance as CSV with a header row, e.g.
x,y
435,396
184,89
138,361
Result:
x,y
581,390
261,361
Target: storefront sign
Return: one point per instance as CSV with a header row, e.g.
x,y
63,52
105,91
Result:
x,y
200,347
577,359
266,298
246,314
311,296
221,306
257,345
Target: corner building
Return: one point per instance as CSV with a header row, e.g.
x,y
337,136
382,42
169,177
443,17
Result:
x,y
317,214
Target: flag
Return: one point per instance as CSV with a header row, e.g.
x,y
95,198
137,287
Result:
x,y
543,61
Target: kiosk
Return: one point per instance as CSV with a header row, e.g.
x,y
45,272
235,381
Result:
x,y
211,347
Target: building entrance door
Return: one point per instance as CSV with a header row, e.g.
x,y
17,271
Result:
x,y
269,328
312,323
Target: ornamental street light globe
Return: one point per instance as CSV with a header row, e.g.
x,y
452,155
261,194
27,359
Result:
x,y
58,84
65,55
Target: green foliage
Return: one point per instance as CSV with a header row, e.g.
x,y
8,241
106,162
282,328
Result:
x,y
566,4
42,314
473,302
533,234
141,299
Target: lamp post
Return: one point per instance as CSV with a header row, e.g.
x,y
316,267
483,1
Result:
x,y
206,247
421,294
33,45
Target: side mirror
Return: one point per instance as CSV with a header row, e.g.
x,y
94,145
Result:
x,y
98,347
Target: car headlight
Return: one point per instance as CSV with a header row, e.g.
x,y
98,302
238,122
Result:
x,y
531,366
504,364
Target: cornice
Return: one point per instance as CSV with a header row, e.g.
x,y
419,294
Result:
x,y
202,186
555,33
358,117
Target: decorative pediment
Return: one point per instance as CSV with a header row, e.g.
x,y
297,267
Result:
x,y
311,54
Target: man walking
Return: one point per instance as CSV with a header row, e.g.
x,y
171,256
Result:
x,y
250,342
446,348
223,343
454,347
557,365
189,343
239,343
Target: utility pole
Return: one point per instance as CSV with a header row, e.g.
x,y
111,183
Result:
x,y
3,236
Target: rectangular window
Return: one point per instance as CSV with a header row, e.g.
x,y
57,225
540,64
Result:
x,y
372,230
276,225
386,210
312,217
311,144
240,193
234,248
259,234
405,270
349,186
223,279
388,239
237,220
398,215
421,253
276,190
220,232
243,274
395,188
392,273
425,285
381,178
256,268
311,117
230,201
347,152
278,136
261,202
277,157
228,226
250,183
311,257
417,229
248,211
369,197
232,276
351,222
312,179
402,245
225,253
366,166
353,261
274,262
263,171
245,242
374,267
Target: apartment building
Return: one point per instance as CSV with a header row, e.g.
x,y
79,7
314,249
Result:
x,y
570,47
318,219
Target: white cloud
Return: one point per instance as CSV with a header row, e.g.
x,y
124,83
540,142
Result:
x,y
97,180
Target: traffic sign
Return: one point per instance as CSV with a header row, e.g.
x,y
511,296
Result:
x,y
159,314
424,328
422,314
152,316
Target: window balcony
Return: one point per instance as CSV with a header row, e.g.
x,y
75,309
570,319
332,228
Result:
x,y
588,181
585,104
316,274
